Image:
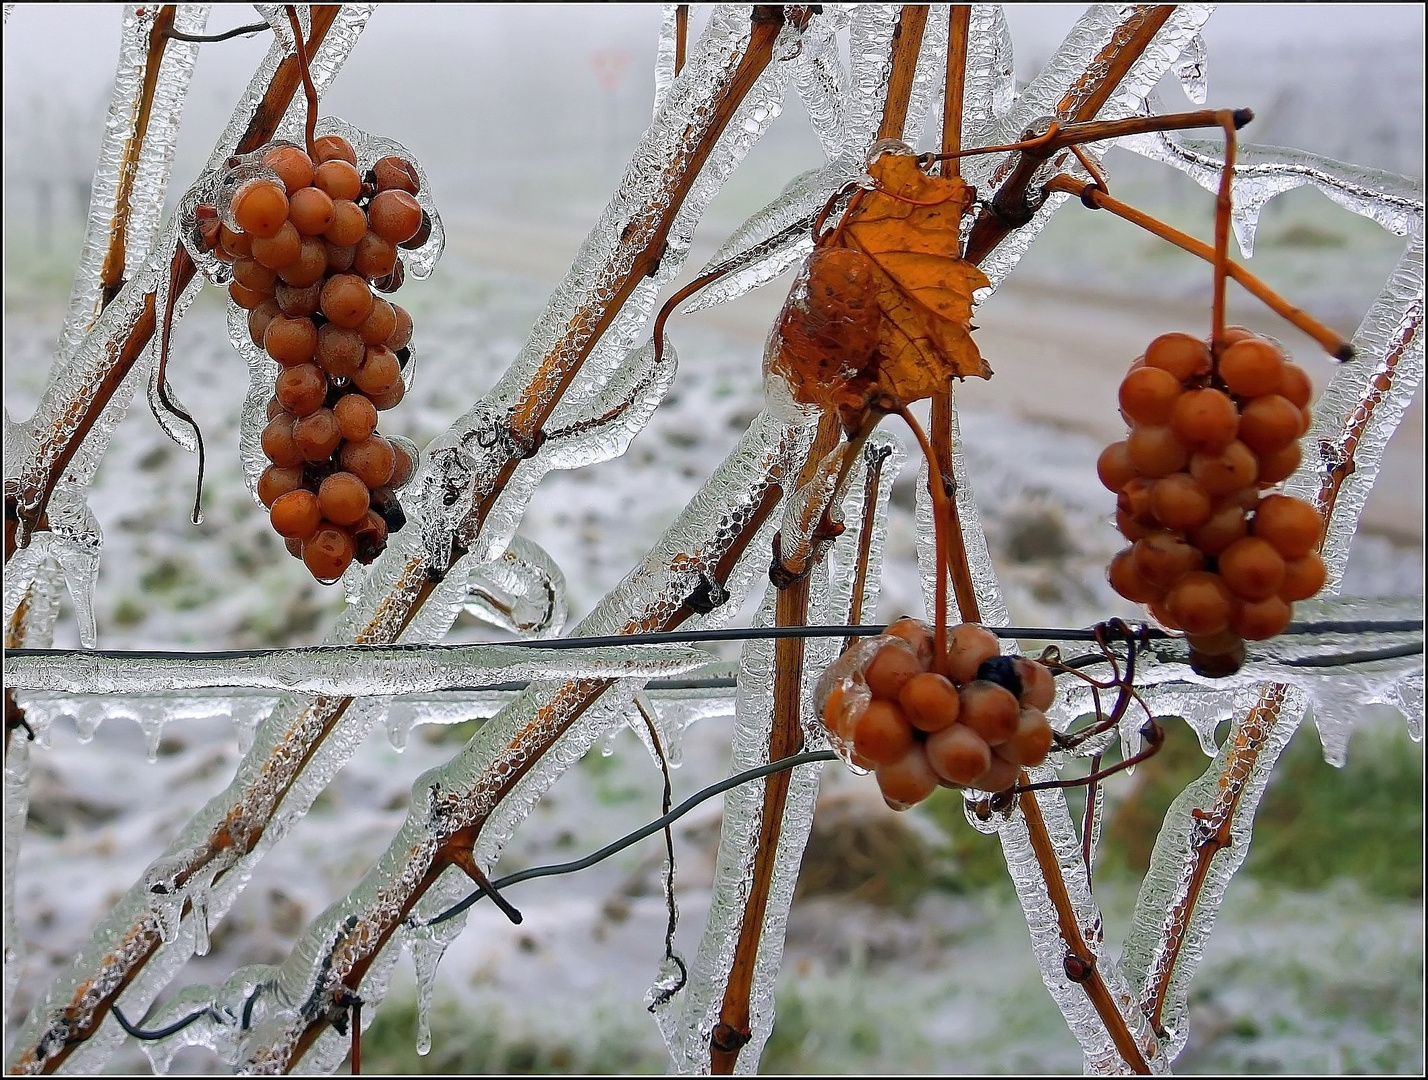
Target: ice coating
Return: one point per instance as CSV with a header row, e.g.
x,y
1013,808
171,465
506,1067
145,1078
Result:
x,y
499,775
1191,70
148,170
872,480
343,671
664,55
565,340
522,591
822,85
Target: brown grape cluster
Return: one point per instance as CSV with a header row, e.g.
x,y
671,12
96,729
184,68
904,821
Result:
x,y
978,726
306,254
1211,553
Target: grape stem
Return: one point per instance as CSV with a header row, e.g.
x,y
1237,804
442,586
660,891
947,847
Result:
x,y
300,51
941,520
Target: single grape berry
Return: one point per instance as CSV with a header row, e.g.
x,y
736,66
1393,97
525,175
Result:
x,y
371,460
389,399
929,701
1180,503
346,300
1279,465
1155,451
1163,558
394,216
1200,603
292,165
402,335
301,388
1295,385
1001,775
246,298
958,754
338,179
260,207
1303,578
316,436
395,174
298,302
344,498
1127,581
379,372
252,274
1183,356
310,210
1148,394
378,326
968,645
374,257
888,671
279,251
1269,423
277,441
1038,685
1252,367
339,259
907,781
291,341
1252,569
1232,469
333,148
340,350
357,419
1228,523
1030,742
310,265
1114,467
369,538
1204,419
236,245
1261,620
883,735
989,710
349,223
1290,524
259,318
295,515
277,481
327,553
1002,671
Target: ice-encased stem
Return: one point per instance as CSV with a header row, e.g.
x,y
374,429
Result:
x,y
338,671
481,796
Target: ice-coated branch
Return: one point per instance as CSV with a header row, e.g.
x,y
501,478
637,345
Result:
x,y
338,671
1208,828
89,389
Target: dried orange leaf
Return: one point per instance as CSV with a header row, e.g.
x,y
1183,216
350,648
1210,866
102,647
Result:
x,y
909,229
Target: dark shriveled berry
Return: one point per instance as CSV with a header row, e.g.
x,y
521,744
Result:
x,y
1002,671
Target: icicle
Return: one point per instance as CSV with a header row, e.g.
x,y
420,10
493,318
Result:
x,y
427,951
16,809
1190,69
198,898
1407,697
607,743
822,85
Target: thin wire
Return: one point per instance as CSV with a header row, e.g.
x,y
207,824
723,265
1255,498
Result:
x,y
643,831
680,637
237,31
157,1033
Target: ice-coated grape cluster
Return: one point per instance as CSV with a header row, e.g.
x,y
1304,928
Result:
x,y
890,709
1213,552
309,238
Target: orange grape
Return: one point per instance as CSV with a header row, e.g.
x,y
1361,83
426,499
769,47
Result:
x,y
969,645
907,781
1290,524
1114,467
310,210
917,634
929,701
1228,523
340,350
349,223
1030,742
277,441
247,298
344,498
333,148
371,461
1163,558
356,419
258,319
394,216
1180,503
279,251
328,553
889,670
346,300
1127,581
290,342
1269,423
1303,578
1132,527
1154,450
237,245
308,268
1001,775
295,301
1038,685
405,465
295,515
1295,385
378,326
1252,367
1137,499
339,259
302,389
374,257
958,754
1161,614
317,436
1204,419
838,716
396,174
1262,620
402,335
1147,395
1183,356
1279,465
276,481
1232,469
252,274
260,207
388,399
1217,665
338,179
379,372
292,165
989,710
1200,603
883,735
1252,569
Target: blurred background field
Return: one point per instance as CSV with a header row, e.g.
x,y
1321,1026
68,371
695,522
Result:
x,y
1316,964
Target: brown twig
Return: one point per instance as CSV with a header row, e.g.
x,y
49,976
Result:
x,y
875,456
906,44
959,28
111,274
83,409
1099,199
300,51
1223,208
681,36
